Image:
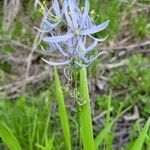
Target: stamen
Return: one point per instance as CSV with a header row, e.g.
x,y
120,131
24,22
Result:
x,y
92,12
57,18
77,32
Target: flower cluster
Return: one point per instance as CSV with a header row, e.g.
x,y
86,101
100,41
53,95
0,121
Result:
x,y
77,43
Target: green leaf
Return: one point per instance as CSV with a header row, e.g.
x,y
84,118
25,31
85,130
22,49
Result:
x,y
138,144
62,110
8,137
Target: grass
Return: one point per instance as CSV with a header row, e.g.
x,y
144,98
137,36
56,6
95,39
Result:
x,y
133,79
35,125
104,134
8,137
138,144
29,122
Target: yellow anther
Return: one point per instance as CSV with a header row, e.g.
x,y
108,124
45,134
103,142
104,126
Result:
x,y
82,8
44,2
77,32
92,12
57,18
42,6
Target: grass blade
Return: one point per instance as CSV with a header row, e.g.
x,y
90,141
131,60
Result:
x,y
108,109
46,127
48,144
108,142
103,134
62,110
85,113
8,137
34,129
140,141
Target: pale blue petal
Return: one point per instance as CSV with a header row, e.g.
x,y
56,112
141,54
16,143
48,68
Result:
x,y
81,65
53,47
95,29
42,31
56,39
90,48
56,7
82,46
73,14
98,55
86,11
48,25
61,50
68,19
99,40
56,63
85,60
89,22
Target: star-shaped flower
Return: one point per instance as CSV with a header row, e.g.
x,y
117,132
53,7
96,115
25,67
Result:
x,y
74,44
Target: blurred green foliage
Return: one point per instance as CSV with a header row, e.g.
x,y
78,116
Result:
x,y
27,120
132,79
140,26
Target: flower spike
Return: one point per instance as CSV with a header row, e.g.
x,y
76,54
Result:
x,y
77,44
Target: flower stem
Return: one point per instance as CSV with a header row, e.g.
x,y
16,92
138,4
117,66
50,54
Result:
x,y
85,113
62,110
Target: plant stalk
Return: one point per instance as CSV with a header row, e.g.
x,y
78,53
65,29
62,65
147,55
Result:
x,y
86,128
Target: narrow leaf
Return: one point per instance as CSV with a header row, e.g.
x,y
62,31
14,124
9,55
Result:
x,y
8,137
140,141
103,134
85,113
62,110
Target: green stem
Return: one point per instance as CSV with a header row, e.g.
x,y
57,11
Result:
x,y
85,113
62,110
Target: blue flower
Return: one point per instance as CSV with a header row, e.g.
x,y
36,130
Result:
x,y
78,23
52,17
74,44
